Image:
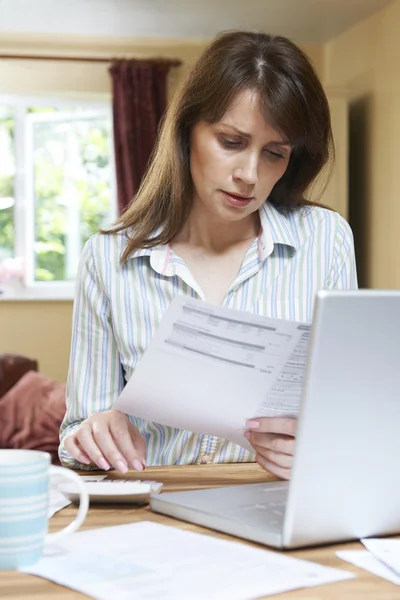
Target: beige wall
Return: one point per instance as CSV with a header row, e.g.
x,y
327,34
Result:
x,y
42,330
364,61
86,78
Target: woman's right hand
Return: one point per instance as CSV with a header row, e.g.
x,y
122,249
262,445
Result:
x,y
108,439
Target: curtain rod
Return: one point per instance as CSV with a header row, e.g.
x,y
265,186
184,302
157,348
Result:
x,y
90,59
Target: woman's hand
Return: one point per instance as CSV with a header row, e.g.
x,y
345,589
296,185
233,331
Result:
x,y
108,439
273,441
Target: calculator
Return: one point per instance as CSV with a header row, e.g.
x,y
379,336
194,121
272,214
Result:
x,y
113,491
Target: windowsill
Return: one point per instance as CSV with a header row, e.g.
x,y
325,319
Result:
x,y
18,292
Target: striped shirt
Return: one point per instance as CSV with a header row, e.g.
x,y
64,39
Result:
x,y
118,307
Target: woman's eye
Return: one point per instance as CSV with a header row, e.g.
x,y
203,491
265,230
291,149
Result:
x,y
230,144
274,155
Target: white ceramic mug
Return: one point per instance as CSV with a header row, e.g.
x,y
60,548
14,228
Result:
x,y
24,504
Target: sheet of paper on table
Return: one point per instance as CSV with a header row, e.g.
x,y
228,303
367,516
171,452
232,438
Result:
x,y
227,365
386,550
158,561
367,561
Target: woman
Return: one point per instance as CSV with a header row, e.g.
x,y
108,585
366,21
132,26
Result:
x,y
221,215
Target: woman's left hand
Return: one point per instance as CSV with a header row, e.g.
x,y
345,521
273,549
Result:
x,y
273,440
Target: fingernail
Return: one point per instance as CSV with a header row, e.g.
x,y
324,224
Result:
x,y
103,464
137,465
85,461
252,424
247,434
144,464
121,466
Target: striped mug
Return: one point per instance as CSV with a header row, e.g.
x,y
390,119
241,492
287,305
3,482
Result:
x,y
24,503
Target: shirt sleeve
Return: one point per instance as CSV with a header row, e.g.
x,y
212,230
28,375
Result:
x,y
343,271
95,377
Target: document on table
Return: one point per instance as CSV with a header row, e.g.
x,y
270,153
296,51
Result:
x,y
385,550
381,557
57,502
367,561
149,560
209,368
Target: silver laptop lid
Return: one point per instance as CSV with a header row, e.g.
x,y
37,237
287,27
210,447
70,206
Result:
x,y
345,481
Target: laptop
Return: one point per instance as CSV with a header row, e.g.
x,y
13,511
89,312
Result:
x,y
345,481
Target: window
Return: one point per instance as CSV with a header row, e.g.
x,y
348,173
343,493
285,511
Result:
x,y
7,177
57,186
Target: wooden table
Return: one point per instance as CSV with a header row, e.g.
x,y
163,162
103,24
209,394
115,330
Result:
x,y
365,587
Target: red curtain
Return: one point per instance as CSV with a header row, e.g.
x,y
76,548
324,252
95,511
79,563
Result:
x,y
139,100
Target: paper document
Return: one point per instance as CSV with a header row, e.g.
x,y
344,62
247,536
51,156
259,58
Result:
x,y
367,561
57,502
386,550
209,368
147,560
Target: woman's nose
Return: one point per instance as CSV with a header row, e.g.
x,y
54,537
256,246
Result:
x,y
247,170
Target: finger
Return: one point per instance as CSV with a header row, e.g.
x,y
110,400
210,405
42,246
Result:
x,y
282,425
272,441
104,440
273,468
85,439
138,441
281,460
75,451
129,447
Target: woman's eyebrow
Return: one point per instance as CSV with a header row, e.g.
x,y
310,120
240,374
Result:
x,y
248,135
282,143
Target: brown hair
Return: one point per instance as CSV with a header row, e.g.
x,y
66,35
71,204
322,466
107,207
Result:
x,y
292,99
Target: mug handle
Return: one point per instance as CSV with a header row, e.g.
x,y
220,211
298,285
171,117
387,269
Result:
x,y
83,504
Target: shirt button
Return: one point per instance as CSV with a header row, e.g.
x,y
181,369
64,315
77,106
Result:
x,y
206,460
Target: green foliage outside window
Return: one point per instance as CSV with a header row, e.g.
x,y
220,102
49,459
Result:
x,y
71,180
6,182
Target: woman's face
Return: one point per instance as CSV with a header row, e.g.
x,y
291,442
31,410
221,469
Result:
x,y
236,162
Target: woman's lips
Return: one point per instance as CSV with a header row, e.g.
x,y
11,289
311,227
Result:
x,y
235,200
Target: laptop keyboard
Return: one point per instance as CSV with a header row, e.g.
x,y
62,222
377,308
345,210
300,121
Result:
x,y
267,511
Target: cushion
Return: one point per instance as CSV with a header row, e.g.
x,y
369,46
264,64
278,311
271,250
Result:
x,y
31,414
12,367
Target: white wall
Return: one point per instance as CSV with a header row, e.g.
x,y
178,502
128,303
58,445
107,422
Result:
x,y
305,21
86,17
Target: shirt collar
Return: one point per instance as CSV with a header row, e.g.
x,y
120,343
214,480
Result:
x,y
275,229
159,256
144,251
